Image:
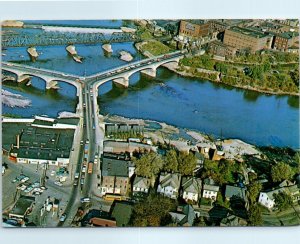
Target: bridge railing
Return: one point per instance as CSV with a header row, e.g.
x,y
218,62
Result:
x,y
134,63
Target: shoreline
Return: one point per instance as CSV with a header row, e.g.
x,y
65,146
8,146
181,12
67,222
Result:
x,y
174,68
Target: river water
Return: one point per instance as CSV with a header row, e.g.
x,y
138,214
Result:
x,y
184,102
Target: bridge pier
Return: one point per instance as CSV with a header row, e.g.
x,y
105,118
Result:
x,y
22,78
149,72
123,82
51,84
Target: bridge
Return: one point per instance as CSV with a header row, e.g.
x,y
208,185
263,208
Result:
x,y
66,38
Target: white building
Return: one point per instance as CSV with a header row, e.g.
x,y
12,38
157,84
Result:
x,y
210,190
140,185
169,185
191,189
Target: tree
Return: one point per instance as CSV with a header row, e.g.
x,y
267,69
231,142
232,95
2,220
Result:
x,y
186,163
154,211
254,215
282,200
171,162
149,165
297,160
253,190
281,171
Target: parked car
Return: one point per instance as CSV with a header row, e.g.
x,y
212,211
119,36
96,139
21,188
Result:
x,y
63,217
85,199
58,183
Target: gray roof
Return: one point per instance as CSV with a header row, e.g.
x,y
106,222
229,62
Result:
x,y
211,188
114,167
191,184
184,214
235,191
170,179
141,182
22,205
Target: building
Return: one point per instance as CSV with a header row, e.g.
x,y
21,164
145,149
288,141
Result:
x,y
267,199
169,184
194,28
119,147
22,208
246,38
220,49
232,220
41,140
102,222
235,192
115,176
184,215
284,41
210,190
140,185
191,189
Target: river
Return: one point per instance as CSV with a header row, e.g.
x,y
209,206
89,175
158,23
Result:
x,y
184,102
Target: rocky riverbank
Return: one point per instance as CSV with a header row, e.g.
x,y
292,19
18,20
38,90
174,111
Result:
x,y
233,148
14,100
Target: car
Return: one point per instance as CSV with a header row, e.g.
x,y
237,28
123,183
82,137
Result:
x,y
53,172
21,187
35,184
81,181
58,183
25,179
29,189
43,188
63,217
85,199
83,169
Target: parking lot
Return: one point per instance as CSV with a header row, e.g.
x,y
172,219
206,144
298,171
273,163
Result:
x,y
24,179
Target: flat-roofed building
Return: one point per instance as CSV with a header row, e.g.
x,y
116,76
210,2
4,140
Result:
x,y
246,38
194,28
22,208
284,41
39,141
115,176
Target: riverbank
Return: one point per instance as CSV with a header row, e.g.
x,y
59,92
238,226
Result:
x,y
207,74
186,139
14,100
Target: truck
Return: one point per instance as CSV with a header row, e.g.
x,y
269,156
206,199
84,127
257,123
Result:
x,y
86,148
90,167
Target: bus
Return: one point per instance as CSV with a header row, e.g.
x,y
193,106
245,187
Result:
x,y
113,197
90,167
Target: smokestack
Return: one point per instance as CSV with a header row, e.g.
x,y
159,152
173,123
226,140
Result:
x,y
18,141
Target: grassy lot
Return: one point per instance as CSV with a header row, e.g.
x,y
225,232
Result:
x,y
155,47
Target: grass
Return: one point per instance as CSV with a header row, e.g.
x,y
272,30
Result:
x,y
155,47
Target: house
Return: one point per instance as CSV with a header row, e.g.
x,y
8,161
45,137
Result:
x,y
169,184
115,176
184,215
199,162
140,185
210,190
191,189
235,192
266,198
233,220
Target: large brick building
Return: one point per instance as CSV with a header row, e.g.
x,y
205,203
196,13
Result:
x,y
194,28
244,38
285,40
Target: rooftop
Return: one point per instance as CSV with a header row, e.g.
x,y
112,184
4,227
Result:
x,y
115,167
249,32
22,205
289,34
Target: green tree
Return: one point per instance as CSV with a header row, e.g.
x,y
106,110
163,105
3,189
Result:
x,y
282,200
154,211
221,67
254,215
253,190
186,163
281,171
297,160
171,161
149,165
